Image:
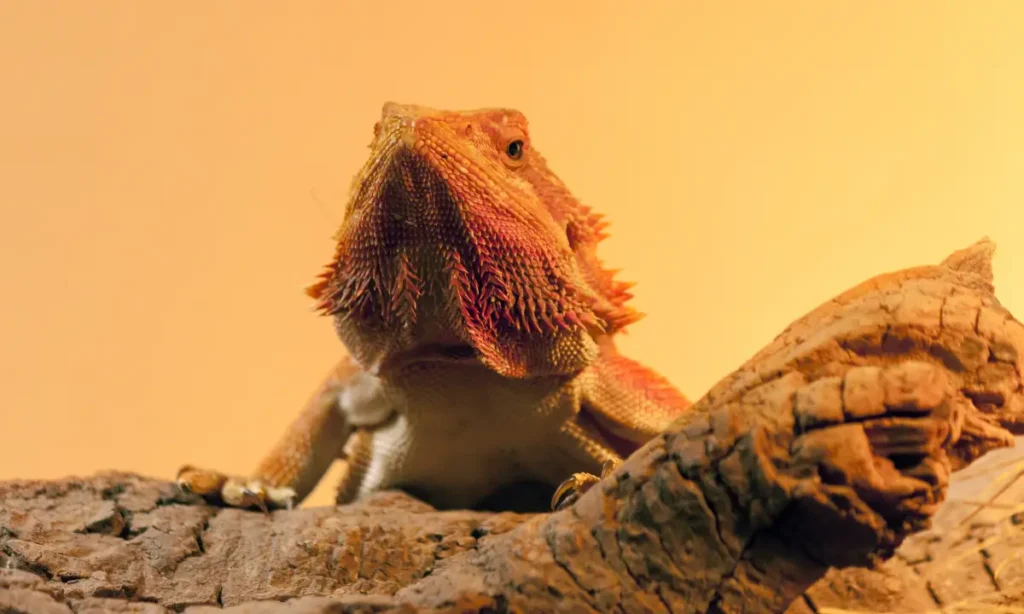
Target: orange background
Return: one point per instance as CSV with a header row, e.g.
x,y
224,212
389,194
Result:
x,y
171,174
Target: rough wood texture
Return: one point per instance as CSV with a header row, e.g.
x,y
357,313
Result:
x,y
970,560
827,449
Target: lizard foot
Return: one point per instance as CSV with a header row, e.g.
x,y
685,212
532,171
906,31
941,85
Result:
x,y
569,491
231,491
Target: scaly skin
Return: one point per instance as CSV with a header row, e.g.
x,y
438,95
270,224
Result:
x,y
479,325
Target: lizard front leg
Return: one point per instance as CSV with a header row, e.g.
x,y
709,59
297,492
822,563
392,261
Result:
x,y
293,467
623,405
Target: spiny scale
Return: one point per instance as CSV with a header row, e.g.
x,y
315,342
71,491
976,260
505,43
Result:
x,y
437,195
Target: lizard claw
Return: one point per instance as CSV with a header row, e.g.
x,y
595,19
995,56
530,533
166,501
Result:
x,y
569,491
218,488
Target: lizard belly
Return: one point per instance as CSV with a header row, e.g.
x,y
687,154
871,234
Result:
x,y
460,432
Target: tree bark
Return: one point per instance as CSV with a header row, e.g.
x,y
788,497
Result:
x,y
823,452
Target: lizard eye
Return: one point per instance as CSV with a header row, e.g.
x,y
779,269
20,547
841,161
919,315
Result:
x,y
514,149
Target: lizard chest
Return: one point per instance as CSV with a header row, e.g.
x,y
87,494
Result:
x,y
459,432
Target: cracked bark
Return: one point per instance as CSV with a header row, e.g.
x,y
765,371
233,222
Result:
x,y
815,459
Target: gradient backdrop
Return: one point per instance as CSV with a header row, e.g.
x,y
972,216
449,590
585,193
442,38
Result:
x,y
171,174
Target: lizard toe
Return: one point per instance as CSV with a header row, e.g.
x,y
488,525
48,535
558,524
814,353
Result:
x,y
282,497
243,493
202,482
569,491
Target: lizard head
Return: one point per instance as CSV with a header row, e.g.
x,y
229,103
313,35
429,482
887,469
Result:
x,y
458,243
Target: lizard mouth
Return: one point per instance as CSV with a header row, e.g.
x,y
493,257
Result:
x,y
460,353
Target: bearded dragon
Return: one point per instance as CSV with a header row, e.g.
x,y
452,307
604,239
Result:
x,y
480,331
